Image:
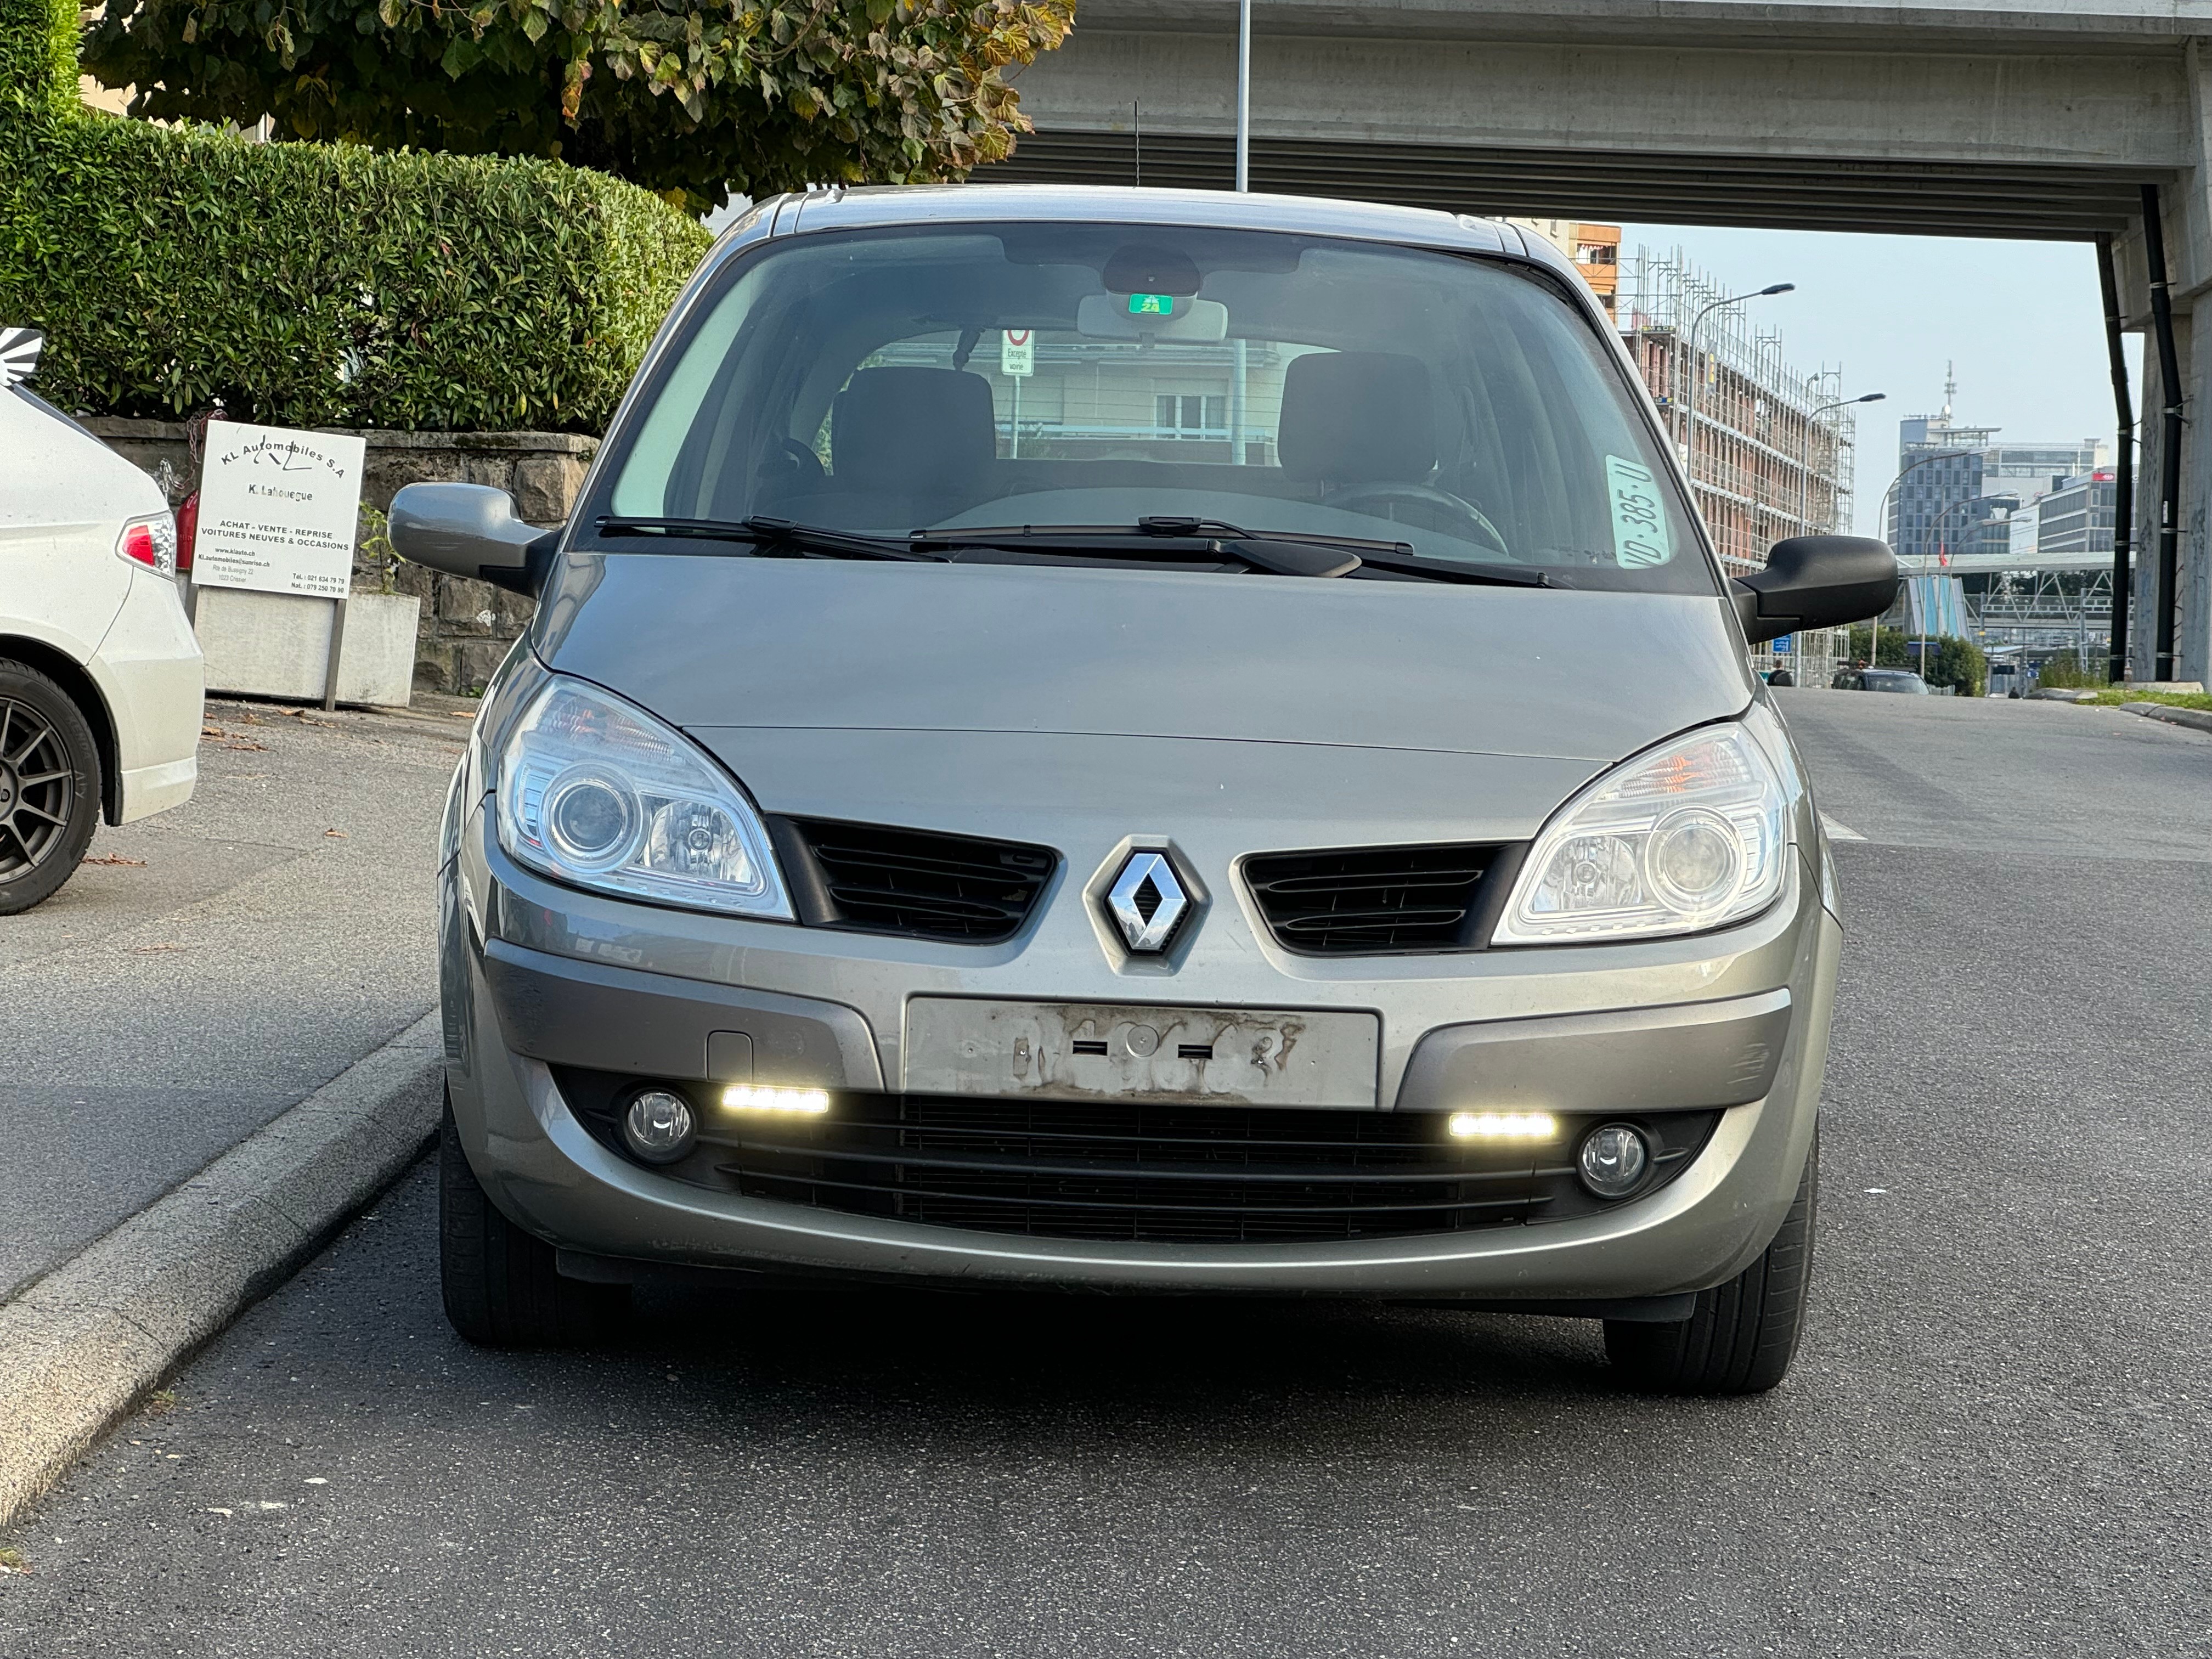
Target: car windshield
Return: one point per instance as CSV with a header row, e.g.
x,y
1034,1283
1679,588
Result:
x,y
953,379
1892,680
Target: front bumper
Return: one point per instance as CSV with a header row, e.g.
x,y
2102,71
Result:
x,y
538,976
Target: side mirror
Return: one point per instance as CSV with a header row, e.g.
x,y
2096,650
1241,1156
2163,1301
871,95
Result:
x,y
1816,581
471,530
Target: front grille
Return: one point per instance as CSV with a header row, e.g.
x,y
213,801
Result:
x,y
1137,1172
1367,901
1068,1170
872,878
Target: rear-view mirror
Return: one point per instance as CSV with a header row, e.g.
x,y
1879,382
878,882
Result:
x,y
1151,316
471,530
1816,581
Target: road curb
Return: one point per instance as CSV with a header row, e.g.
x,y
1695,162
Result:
x,y
2197,719
79,1347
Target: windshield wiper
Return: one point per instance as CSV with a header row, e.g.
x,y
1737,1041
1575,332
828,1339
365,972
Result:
x,y
762,532
1451,570
1159,538
1288,553
1120,543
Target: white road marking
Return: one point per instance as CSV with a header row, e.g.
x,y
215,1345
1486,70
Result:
x,y
1837,831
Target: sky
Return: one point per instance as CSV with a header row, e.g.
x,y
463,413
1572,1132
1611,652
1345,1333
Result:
x,y
2021,320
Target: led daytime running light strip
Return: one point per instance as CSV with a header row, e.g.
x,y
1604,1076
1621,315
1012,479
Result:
x,y
759,1097
1504,1126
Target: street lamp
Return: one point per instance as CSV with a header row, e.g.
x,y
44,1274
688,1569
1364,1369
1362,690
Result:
x,y
2010,503
1690,424
1936,533
1805,513
1244,95
1805,493
1881,514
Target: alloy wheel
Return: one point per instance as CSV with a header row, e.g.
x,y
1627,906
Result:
x,y
38,789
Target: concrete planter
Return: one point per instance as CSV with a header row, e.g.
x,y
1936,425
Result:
x,y
277,645
463,628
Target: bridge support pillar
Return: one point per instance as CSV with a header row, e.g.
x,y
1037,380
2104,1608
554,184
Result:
x,y
2192,613
2186,221
2192,330
2192,599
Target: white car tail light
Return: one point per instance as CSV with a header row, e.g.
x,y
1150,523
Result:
x,y
152,543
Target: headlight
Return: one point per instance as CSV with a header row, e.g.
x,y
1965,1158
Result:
x,y
1692,835
599,794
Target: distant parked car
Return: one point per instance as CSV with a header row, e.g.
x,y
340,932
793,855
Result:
x,y
1902,681
101,681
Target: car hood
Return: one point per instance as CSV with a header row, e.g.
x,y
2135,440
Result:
x,y
726,642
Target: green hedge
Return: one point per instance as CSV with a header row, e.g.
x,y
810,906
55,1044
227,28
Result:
x,y
312,284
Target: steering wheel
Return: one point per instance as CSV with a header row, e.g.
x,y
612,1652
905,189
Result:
x,y
810,464
1363,497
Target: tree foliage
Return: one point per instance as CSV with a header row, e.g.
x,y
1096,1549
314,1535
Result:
x,y
1959,663
689,98
1891,645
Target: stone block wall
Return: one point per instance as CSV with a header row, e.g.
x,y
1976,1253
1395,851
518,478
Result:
x,y
466,626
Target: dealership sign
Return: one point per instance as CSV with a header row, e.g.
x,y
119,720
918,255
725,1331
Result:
x,y
278,510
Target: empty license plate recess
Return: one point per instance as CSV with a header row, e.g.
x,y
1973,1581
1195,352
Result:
x,y
1096,1051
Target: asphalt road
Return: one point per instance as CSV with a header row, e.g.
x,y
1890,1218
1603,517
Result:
x,y
211,966
1993,1444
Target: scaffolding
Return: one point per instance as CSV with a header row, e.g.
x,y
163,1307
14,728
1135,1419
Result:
x,y
1772,454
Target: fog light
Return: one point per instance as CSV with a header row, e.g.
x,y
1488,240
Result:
x,y
1614,1157
759,1098
1503,1126
658,1126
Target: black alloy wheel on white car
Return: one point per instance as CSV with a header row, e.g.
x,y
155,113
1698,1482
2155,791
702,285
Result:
x,y
49,786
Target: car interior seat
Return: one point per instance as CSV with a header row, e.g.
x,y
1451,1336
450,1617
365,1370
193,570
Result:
x,y
924,438
1358,417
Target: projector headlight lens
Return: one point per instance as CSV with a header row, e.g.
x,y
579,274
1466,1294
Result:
x,y
591,820
596,791
659,1126
1687,836
1614,1159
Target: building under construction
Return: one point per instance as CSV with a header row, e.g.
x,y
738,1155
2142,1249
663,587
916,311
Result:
x,y
1768,449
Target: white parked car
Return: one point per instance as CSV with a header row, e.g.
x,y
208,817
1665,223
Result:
x,y
100,679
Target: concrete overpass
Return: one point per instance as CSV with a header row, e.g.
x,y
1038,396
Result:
x,y
2042,118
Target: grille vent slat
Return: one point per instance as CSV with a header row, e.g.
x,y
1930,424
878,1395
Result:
x,y
1132,1170
1369,900
922,884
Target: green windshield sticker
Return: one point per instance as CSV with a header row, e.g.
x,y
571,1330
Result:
x,y
1639,519
1152,305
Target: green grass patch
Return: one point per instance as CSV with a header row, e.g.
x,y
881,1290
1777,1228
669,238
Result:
x,y
2113,697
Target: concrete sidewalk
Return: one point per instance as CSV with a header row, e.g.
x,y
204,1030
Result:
x,y
211,968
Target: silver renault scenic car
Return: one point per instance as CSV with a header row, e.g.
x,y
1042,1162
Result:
x,y
1142,741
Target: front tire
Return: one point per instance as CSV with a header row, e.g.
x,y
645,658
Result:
x,y
1743,1334
49,786
502,1290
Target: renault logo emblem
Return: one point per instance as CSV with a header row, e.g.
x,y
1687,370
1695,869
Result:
x,y
1147,902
